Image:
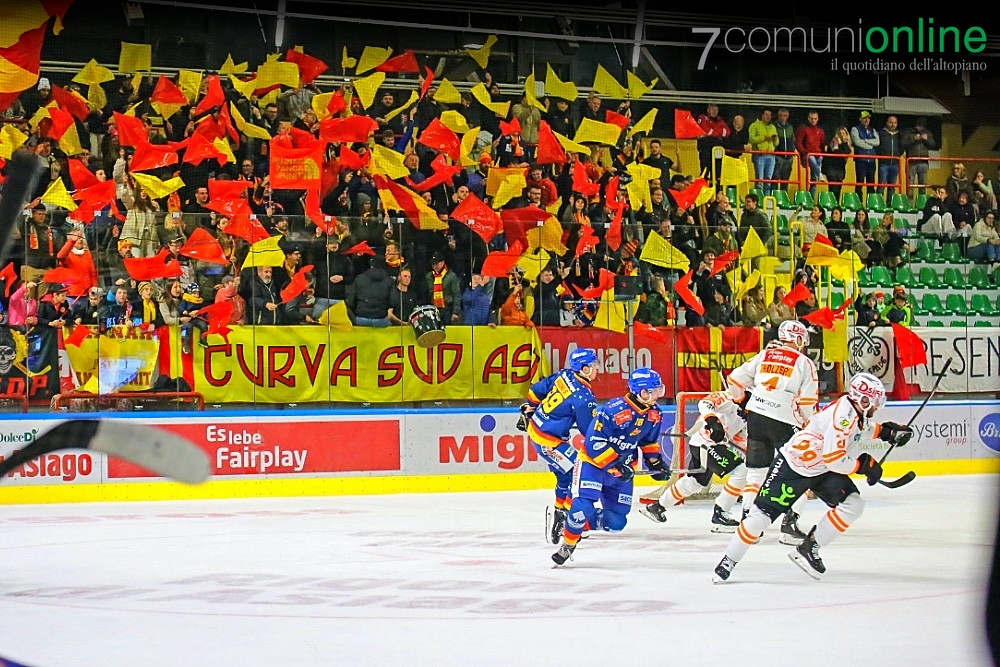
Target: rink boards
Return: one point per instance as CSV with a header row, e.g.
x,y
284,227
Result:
x,y
291,453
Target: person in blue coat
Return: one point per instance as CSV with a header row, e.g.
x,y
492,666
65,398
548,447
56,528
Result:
x,y
556,404
623,429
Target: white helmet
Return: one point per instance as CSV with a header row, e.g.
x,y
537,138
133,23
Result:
x,y
793,331
867,392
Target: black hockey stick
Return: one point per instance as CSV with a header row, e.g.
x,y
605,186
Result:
x,y
154,449
910,476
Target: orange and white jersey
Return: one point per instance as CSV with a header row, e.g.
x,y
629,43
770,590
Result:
x,y
782,382
719,404
830,441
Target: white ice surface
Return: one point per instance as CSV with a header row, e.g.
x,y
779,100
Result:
x,y
465,579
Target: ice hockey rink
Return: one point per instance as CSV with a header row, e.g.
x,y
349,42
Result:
x,y
465,579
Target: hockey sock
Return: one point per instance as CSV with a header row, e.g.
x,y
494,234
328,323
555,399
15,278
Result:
x,y
800,503
563,502
581,516
733,488
755,477
747,534
838,519
684,487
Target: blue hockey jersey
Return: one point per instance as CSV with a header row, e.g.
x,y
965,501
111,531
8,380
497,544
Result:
x,y
620,431
562,399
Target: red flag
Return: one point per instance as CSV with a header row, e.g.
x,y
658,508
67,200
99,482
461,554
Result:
x,y
360,249
352,160
336,104
723,260
327,223
151,156
131,130
822,318
824,240
605,281
405,197
909,348
214,97
685,126
648,330
150,268
354,129
203,246
80,175
296,168
517,221
799,293
247,228
227,189
67,101
513,127
441,139
61,121
297,285
616,119
300,138
218,315
167,92
549,150
499,262
480,218
582,184
229,207
79,334
839,311
443,173
199,149
210,129
685,198
9,277
428,79
63,276
683,289
614,234
405,62
588,240
25,53
309,67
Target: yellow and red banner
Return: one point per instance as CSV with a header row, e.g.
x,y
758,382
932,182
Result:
x,y
123,361
706,354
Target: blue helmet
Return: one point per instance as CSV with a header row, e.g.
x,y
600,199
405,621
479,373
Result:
x,y
580,357
644,378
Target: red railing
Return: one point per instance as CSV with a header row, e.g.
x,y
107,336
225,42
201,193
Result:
x,y
970,173
132,396
898,184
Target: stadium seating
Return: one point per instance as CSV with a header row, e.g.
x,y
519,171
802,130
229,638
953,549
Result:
x,y
931,303
827,200
953,278
781,197
952,254
881,276
875,203
920,202
904,277
804,199
980,303
929,278
956,304
926,252
901,204
979,279
850,201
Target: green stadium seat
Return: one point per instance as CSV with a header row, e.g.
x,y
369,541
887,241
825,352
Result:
x,y
865,279
983,323
876,203
904,254
901,204
929,278
953,278
827,200
781,196
952,254
958,323
850,201
979,279
931,303
783,233
733,194
980,303
881,276
956,304
904,277
759,193
836,300
935,323
804,199
920,202
926,252
996,276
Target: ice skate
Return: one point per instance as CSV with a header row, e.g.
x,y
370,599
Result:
x,y
564,554
555,521
722,522
654,512
723,570
791,534
806,556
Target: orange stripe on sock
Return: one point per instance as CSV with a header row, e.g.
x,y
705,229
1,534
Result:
x,y
676,495
745,536
750,488
732,490
836,520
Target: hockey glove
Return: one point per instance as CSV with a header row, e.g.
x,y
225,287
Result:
x,y
870,468
741,406
527,409
622,471
894,434
657,463
715,430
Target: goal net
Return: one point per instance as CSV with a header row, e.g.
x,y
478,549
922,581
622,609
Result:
x,y
675,447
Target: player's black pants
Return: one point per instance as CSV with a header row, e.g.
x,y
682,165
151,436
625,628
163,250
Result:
x,y
765,436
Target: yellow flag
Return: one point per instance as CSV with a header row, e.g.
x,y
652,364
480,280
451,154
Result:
x,y
821,254
11,139
244,88
131,110
512,186
529,93
222,145
554,207
229,67
533,264
482,54
705,196
454,121
319,105
388,162
69,143
265,253
645,123
847,266
190,84
92,73
643,172
335,316
501,109
607,85
596,132
748,284
661,252
468,143
610,314
835,342
564,90
347,62
275,72
639,194
136,80
246,128
156,188
372,57
734,171
57,195
447,93
414,98
96,97
135,58
548,236
166,109
570,145
752,247
636,88
367,87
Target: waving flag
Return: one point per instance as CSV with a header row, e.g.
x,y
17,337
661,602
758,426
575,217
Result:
x,y
162,265
203,246
309,67
297,285
24,25
405,62
685,126
480,218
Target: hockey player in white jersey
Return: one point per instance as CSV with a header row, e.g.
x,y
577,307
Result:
x,y
717,442
780,390
820,458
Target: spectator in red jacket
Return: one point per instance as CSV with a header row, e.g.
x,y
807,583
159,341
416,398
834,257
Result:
x,y
76,257
538,179
716,129
810,138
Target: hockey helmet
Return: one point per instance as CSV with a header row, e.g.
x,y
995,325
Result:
x,y
793,331
580,357
867,392
645,379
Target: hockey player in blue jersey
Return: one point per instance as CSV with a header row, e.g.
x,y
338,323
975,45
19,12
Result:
x,y
621,430
555,404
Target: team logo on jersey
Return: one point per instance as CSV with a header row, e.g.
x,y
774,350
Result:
x,y
844,423
989,431
623,416
636,431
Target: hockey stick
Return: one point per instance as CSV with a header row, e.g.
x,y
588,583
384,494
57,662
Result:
x,y
910,476
154,449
